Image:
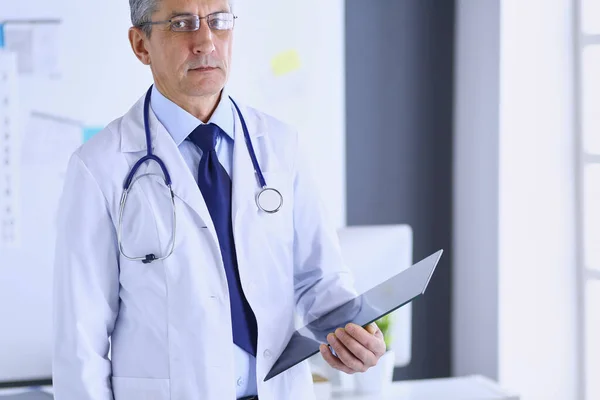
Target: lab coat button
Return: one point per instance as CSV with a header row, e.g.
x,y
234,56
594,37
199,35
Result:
x,y
267,353
240,382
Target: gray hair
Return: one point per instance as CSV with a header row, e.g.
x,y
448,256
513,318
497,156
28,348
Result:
x,y
142,11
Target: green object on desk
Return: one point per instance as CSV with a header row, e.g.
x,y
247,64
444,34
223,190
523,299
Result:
x,y
385,326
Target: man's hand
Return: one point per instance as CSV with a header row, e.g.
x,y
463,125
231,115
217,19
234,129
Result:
x,y
357,348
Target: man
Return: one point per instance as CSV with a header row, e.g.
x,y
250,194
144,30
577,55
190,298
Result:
x,y
195,289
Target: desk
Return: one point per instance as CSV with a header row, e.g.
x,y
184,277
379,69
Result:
x,y
465,388
25,394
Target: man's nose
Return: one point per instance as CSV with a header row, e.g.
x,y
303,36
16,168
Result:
x,y
203,39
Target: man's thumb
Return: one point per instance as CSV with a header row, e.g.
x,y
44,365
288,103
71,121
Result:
x,y
373,329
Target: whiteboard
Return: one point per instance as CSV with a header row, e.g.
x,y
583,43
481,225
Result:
x,y
99,79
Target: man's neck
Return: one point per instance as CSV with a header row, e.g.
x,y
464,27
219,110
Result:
x,y
201,107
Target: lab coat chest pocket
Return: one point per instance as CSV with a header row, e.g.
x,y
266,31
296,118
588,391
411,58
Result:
x,y
141,388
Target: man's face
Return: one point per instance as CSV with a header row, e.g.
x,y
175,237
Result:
x,y
189,64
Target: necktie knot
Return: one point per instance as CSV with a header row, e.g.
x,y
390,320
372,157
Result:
x,y
205,137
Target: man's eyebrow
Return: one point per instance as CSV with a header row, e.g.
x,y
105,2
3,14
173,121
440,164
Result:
x,y
187,14
179,14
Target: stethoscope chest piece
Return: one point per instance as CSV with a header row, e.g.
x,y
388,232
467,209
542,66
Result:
x,y
269,200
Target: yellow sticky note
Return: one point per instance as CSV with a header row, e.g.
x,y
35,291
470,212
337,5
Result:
x,y
285,62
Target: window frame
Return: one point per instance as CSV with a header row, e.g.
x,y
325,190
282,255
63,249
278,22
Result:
x,y
585,274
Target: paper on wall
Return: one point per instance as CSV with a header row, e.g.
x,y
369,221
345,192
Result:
x,y
37,45
9,151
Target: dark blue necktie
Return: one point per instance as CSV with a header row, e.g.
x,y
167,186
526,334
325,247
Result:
x,y
215,185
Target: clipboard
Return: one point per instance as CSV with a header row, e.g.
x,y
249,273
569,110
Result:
x,y
368,307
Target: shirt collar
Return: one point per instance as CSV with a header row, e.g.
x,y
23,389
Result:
x,y
179,123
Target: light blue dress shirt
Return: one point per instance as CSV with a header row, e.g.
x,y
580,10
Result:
x,y
179,123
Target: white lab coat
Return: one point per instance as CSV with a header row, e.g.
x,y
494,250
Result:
x,y
169,321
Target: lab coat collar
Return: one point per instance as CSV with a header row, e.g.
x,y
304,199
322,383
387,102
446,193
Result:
x,y
180,123
133,138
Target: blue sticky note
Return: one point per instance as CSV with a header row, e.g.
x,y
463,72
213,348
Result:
x,y
1,36
88,132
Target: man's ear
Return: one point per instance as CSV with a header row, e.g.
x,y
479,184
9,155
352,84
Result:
x,y
138,40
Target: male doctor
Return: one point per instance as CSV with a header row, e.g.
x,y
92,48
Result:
x,y
207,311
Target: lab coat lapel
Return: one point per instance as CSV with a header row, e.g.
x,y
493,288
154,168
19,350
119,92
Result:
x,y
245,183
183,184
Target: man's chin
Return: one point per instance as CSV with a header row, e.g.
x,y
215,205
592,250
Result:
x,y
204,88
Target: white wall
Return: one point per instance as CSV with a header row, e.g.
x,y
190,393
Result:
x,y
514,232
537,257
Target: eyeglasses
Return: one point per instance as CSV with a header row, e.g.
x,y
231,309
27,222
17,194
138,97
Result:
x,y
220,21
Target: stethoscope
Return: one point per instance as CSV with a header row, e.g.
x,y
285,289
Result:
x,y
267,199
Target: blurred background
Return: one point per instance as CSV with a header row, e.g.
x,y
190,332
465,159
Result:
x,y
475,124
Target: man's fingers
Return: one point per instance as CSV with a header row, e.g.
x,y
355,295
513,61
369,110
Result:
x,y
370,337
373,329
332,360
363,354
345,355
